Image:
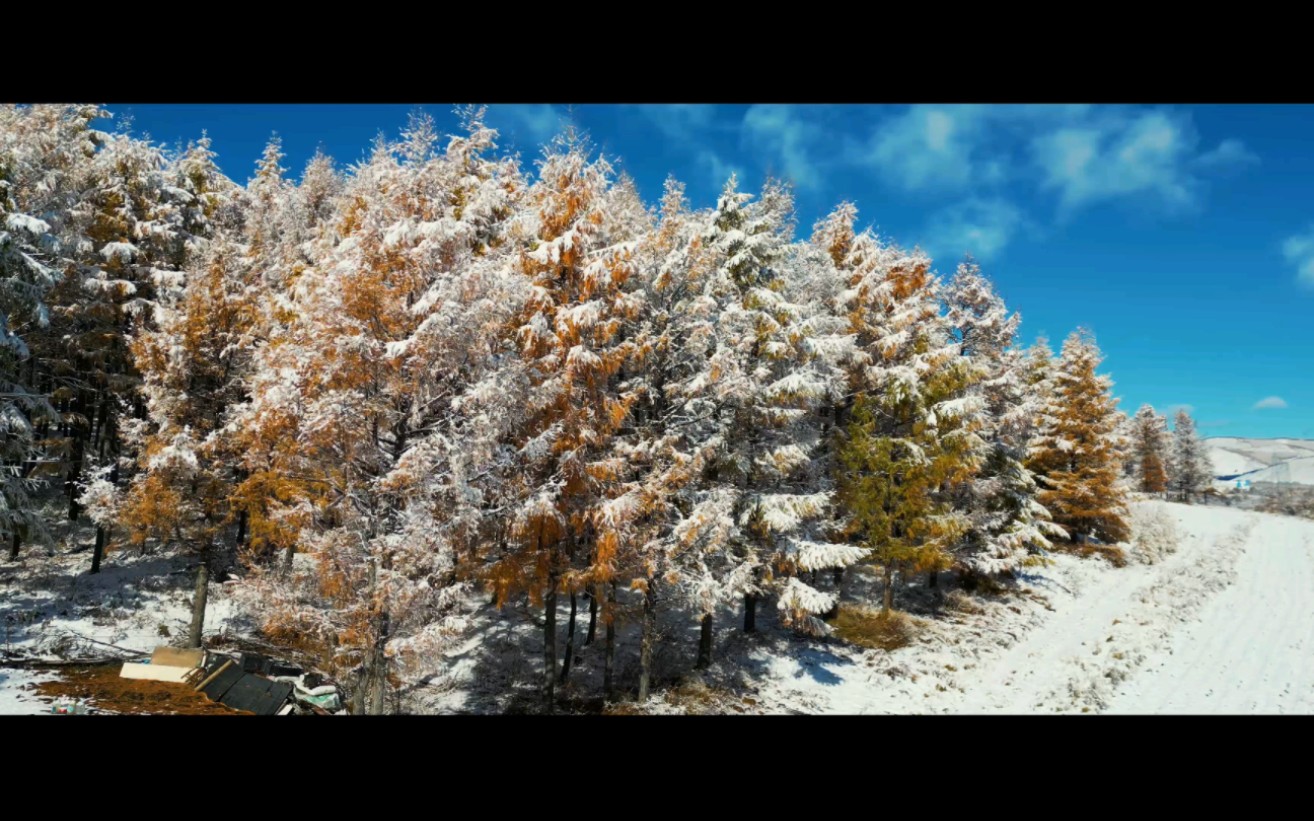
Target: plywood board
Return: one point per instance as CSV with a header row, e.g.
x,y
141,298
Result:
x,y
153,672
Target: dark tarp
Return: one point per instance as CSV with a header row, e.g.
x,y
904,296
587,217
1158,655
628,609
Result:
x,y
223,682
257,694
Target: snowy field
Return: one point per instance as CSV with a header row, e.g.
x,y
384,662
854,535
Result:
x,y
1222,624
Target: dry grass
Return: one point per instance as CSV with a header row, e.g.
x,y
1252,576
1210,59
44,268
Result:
x,y
874,629
692,697
960,601
1114,555
102,689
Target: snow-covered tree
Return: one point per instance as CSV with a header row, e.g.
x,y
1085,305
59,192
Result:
x,y
378,406
1150,450
759,518
1008,526
1076,450
566,523
1190,472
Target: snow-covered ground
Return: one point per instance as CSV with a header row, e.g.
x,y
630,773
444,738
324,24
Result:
x,y
15,694
52,607
1224,624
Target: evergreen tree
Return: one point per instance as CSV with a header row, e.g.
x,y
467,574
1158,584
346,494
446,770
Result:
x,y
1190,471
1076,448
1008,526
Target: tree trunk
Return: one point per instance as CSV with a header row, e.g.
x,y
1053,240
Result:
x,y
362,686
888,597
933,579
14,543
75,473
647,639
379,666
288,555
570,643
839,578
198,605
705,644
593,616
241,530
609,648
750,613
550,643
98,552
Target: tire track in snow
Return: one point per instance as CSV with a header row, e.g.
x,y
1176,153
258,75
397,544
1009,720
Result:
x,y
1250,650
1076,661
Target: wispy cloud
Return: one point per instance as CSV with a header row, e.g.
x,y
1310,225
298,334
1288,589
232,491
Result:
x,y
1083,154
981,227
1115,156
787,134
1299,251
682,122
1229,154
1270,403
531,123
929,147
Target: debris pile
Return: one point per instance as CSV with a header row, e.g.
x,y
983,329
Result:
x,y
249,682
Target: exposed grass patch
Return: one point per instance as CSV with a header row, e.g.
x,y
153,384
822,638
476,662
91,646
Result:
x,y
1112,554
692,697
874,629
960,601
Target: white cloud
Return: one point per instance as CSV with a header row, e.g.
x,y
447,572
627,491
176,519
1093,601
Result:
x,y
1269,403
1299,251
1228,155
1113,156
1085,154
929,147
788,135
980,227
529,123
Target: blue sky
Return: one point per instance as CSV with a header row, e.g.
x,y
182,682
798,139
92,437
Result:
x,y
1183,236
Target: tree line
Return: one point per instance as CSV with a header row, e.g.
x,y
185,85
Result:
x,y
378,393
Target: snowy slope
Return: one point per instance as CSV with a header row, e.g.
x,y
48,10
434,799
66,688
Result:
x,y
1232,456
1165,637
1296,471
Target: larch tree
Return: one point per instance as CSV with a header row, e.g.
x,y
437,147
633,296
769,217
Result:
x,y
193,361
566,529
1150,450
377,405
1076,450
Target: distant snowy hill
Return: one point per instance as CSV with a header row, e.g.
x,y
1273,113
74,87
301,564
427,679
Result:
x,y
1263,460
